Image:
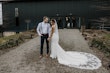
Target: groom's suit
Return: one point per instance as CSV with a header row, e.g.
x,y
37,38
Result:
x,y
43,30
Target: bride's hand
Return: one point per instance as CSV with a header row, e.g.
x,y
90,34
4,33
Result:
x,y
49,39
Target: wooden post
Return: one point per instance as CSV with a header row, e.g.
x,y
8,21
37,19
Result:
x,y
1,31
28,22
83,26
79,26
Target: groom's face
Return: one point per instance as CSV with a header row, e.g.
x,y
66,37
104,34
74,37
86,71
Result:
x,y
46,20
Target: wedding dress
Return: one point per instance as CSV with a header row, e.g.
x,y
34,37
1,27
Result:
x,y
75,59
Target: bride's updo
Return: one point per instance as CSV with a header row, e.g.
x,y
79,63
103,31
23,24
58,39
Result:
x,y
52,22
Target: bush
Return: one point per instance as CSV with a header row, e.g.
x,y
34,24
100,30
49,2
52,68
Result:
x,y
11,41
101,44
15,40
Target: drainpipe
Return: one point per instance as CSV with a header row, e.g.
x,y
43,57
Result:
x,y
79,23
17,19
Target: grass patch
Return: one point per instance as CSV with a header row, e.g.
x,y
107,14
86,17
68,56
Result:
x,y
11,41
102,44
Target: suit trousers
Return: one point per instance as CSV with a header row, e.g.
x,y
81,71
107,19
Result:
x,y
44,37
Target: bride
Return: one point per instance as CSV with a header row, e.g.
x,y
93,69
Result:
x,y
80,60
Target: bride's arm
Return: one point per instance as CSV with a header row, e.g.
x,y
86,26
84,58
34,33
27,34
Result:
x,y
52,31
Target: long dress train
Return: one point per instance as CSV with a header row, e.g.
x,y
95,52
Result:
x,y
75,59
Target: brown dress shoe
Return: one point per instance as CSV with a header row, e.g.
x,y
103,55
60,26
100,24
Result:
x,y
47,55
40,56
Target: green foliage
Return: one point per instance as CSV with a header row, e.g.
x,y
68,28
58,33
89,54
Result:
x,y
102,44
11,41
15,40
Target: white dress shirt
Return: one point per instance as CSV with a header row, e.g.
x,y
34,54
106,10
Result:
x,y
43,28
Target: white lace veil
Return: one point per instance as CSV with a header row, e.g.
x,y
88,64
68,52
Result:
x,y
56,29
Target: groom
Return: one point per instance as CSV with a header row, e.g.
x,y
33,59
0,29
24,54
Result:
x,y
43,30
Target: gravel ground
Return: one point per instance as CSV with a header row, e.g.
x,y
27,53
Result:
x,y
25,58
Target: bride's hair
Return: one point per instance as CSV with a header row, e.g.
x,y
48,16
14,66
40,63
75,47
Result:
x,y
53,20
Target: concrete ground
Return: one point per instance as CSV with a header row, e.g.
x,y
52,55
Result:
x,y
25,58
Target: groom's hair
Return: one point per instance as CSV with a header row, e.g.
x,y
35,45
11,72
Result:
x,y
45,17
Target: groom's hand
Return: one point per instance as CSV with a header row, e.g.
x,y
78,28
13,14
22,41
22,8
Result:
x,y
40,35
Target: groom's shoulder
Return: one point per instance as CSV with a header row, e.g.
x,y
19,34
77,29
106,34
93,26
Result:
x,y
48,23
40,23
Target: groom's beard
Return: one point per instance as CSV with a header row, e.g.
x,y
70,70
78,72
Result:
x,y
46,22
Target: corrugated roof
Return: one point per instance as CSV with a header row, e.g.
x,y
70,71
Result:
x,y
7,0
54,0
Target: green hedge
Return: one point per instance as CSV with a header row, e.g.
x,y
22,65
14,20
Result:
x,y
102,44
11,41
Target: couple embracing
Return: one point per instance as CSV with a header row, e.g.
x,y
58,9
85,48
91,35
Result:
x,y
49,33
